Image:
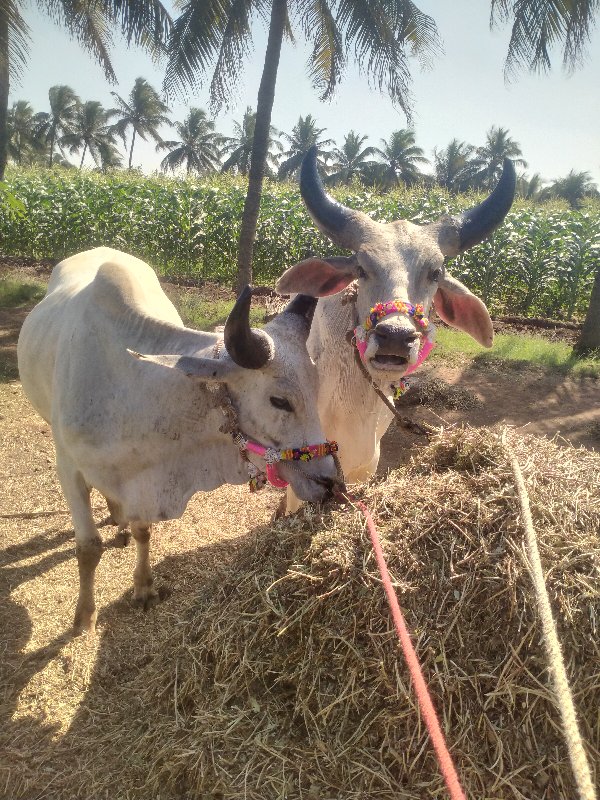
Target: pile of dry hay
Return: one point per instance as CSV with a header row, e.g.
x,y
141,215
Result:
x,y
286,681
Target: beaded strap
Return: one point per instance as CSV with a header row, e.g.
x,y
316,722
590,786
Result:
x,y
258,478
381,310
309,452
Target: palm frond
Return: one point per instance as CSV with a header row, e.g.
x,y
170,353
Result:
x,y
120,129
290,165
539,25
173,160
195,41
233,160
418,30
14,39
235,46
380,33
327,60
87,23
144,22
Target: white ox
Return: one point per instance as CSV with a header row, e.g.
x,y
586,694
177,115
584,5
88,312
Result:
x,y
395,261
147,437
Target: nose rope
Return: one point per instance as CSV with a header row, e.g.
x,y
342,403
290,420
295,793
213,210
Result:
x,y
425,704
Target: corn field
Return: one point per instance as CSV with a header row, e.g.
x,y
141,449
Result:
x,y
541,261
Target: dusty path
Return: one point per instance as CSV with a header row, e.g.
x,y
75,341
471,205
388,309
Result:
x,y
48,682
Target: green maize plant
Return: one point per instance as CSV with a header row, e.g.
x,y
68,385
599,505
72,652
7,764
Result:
x,y
541,261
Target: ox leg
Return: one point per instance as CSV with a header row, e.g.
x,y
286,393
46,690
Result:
x,y
88,544
143,592
122,536
292,503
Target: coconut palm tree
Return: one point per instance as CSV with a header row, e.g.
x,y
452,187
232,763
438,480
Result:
x,y
90,22
490,158
374,175
110,157
239,146
304,135
217,35
143,112
89,130
198,146
54,125
530,188
351,159
573,188
22,140
401,157
454,167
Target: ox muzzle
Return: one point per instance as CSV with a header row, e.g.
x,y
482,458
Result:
x,y
398,343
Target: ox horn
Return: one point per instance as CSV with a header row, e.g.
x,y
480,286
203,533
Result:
x,y
248,348
303,306
480,221
331,217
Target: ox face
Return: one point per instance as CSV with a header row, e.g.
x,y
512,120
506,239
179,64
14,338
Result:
x,y
397,261
272,382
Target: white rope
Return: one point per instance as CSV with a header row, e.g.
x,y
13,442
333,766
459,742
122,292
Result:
x,y
577,755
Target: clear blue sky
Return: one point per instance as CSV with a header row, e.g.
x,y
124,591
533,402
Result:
x,y
555,117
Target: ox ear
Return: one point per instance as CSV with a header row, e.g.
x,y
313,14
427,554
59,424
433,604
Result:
x,y
208,369
319,277
459,307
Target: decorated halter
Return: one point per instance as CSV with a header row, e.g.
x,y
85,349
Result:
x,y
382,310
258,478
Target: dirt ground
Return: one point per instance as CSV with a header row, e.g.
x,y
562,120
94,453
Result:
x,y
50,684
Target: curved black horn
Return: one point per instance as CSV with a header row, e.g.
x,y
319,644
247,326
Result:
x,y
303,305
248,348
331,217
478,222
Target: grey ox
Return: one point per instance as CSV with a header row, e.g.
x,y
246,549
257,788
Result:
x,y
395,261
148,436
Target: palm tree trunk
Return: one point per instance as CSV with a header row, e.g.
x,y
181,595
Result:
x,y
590,334
131,148
52,137
83,156
4,74
260,142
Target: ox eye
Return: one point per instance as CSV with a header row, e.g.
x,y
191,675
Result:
x,y
360,272
281,403
435,275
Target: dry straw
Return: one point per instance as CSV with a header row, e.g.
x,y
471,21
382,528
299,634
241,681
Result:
x,y
284,679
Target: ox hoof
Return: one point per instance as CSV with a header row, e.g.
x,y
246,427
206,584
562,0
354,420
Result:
x,y
85,622
145,598
281,508
121,538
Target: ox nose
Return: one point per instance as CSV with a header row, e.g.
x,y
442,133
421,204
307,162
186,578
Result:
x,y
394,339
332,485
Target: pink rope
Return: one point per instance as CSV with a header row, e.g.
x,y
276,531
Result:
x,y
428,346
274,478
426,706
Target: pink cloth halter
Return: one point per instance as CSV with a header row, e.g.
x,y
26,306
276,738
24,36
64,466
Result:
x,y
272,475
